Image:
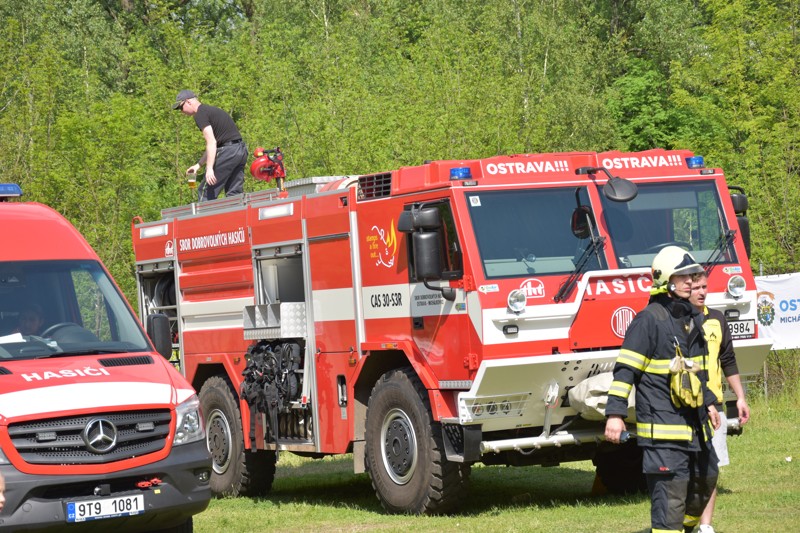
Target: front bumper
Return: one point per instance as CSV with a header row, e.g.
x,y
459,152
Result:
x,y
38,502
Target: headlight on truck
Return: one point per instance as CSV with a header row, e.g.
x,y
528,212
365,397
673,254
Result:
x,y
517,301
190,422
736,286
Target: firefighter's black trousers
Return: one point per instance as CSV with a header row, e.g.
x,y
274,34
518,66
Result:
x,y
680,484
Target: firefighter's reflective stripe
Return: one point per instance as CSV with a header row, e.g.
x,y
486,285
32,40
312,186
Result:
x,y
690,521
654,530
620,388
664,431
661,366
658,366
632,359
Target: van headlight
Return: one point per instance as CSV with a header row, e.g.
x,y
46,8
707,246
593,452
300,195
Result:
x,y
736,286
190,422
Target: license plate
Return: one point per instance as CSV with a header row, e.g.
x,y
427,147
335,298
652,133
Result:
x,y
742,329
85,510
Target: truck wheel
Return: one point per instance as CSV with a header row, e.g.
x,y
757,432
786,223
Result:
x,y
405,451
620,469
235,471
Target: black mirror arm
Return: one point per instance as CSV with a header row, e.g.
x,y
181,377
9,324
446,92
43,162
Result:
x,y
448,293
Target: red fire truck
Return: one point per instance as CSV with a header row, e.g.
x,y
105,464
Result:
x,y
431,317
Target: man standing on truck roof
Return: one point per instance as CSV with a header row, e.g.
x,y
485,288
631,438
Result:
x,y
225,154
674,430
721,360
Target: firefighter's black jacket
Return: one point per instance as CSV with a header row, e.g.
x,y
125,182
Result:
x,y
644,360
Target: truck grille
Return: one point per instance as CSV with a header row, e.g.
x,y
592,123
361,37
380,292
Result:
x,y
61,440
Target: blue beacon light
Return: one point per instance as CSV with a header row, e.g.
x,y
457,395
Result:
x,y
695,162
9,190
460,173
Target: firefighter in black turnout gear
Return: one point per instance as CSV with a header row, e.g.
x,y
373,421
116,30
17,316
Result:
x,y
664,355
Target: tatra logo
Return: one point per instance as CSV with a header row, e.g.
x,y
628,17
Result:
x,y
169,249
382,245
533,288
620,321
100,435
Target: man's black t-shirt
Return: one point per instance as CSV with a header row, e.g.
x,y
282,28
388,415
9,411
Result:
x,y
225,129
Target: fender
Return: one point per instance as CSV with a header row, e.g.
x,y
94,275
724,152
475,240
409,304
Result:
x,y
442,405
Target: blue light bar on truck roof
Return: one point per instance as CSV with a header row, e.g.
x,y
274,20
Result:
x,y
460,173
695,162
9,190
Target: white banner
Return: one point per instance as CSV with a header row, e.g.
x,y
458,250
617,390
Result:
x,y
778,304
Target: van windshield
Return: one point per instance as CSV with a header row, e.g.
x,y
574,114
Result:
x,y
685,214
64,308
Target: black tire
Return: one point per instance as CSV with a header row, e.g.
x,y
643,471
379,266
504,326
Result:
x,y
405,452
619,468
235,471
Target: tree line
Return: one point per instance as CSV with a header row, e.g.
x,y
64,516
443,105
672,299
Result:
x,y
360,86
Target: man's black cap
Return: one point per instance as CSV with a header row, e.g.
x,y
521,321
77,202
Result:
x,y
182,97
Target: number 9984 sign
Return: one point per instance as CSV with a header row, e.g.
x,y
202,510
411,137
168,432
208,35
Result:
x,y
105,508
742,329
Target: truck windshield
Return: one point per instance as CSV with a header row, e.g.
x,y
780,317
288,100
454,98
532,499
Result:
x,y
63,307
525,232
685,214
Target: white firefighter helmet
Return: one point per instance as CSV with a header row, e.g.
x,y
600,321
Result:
x,y
671,261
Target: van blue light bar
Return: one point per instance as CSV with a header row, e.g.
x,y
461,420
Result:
x,y
9,190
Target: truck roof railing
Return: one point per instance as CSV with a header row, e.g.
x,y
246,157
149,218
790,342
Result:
x,y
294,189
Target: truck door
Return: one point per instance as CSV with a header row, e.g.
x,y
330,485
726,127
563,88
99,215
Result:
x,y
333,306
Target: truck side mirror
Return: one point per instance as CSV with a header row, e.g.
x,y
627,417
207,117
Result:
x,y
616,189
427,256
427,219
405,224
740,206
428,261
620,190
159,332
740,203
581,222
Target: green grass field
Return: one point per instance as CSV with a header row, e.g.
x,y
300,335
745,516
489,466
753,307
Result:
x,y
759,491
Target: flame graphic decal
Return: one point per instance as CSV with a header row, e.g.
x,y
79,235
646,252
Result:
x,y
382,245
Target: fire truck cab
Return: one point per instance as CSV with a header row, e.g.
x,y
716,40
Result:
x,y
97,431
431,317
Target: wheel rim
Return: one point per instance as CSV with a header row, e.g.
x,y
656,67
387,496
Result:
x,y
218,438
398,446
